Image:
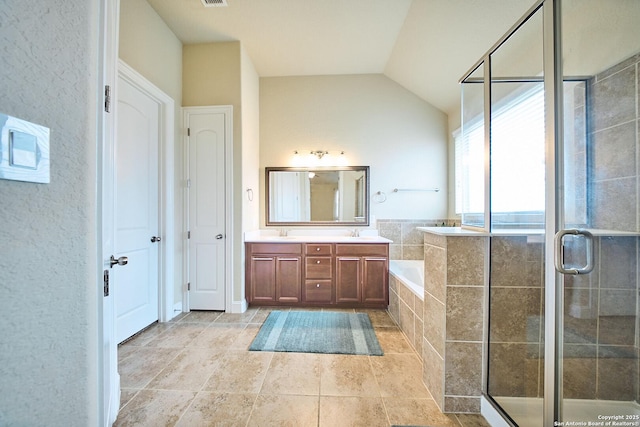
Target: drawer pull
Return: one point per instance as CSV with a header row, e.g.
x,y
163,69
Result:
x,y
317,249
318,262
317,285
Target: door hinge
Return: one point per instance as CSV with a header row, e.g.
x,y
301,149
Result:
x,y
188,131
107,98
188,235
106,283
189,286
188,183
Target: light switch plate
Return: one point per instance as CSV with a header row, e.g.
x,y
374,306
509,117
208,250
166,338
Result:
x,y
24,150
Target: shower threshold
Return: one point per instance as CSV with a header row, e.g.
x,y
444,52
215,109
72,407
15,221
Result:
x,y
527,411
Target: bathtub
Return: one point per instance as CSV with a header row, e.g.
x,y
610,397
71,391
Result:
x,y
410,273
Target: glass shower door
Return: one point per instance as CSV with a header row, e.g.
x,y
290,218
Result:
x,y
600,174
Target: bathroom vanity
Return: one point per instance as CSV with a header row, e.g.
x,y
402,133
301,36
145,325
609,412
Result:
x,y
321,271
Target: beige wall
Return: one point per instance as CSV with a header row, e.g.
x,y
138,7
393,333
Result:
x,y
48,243
221,74
250,143
375,121
151,48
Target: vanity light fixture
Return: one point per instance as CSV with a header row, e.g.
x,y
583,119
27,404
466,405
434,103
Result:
x,y
319,153
318,158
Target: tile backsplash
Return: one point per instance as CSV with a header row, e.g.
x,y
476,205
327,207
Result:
x,y
407,241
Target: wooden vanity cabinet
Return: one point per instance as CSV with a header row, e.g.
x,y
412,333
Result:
x,y
317,274
362,274
274,273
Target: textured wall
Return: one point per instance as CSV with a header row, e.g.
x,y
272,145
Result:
x,y
47,231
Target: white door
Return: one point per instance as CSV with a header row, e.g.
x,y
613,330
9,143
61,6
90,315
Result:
x,y
136,217
207,229
108,378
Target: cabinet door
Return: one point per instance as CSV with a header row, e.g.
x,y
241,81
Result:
x,y
348,279
288,279
263,279
374,280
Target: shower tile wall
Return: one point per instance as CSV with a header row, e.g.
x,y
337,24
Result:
x,y
614,121
600,351
407,241
601,315
614,125
516,313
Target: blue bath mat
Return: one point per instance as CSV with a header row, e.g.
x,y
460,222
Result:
x,y
317,332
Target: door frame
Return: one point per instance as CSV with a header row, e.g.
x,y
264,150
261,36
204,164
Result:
x,y
108,379
227,110
166,173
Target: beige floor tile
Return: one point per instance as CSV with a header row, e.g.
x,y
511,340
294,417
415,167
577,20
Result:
x,y
245,317
293,373
126,394
399,375
392,340
188,371
347,375
472,420
218,336
218,409
144,364
418,412
352,411
285,411
200,317
180,335
245,338
147,335
379,318
153,408
240,372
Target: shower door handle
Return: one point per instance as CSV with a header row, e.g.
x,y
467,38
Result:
x,y
559,248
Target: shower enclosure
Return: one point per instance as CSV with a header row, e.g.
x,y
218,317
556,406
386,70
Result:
x,y
549,160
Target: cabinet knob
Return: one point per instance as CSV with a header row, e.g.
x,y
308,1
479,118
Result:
x,y
317,285
317,249
318,262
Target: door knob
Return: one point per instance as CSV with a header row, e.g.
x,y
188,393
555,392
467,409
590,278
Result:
x,y
123,260
219,236
155,239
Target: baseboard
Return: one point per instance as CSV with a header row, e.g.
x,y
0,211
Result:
x,y
177,309
239,306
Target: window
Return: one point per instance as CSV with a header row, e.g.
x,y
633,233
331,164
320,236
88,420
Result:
x,y
517,156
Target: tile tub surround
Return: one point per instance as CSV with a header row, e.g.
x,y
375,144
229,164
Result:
x,y
406,309
454,317
407,240
210,378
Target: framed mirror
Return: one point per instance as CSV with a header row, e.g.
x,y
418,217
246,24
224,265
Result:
x,y
317,196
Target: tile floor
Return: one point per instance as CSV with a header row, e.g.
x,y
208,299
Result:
x,y
196,371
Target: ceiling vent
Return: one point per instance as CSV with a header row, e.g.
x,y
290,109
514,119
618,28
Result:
x,y
214,3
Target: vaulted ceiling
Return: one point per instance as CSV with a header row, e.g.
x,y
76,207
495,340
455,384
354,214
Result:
x,y
424,45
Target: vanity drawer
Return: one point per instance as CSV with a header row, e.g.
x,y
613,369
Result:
x,y
318,248
317,267
359,249
274,248
317,290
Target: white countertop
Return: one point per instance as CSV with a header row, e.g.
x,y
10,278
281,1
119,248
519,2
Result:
x,y
315,236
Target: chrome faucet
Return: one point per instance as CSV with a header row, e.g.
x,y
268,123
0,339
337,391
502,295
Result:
x,y
283,232
355,233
